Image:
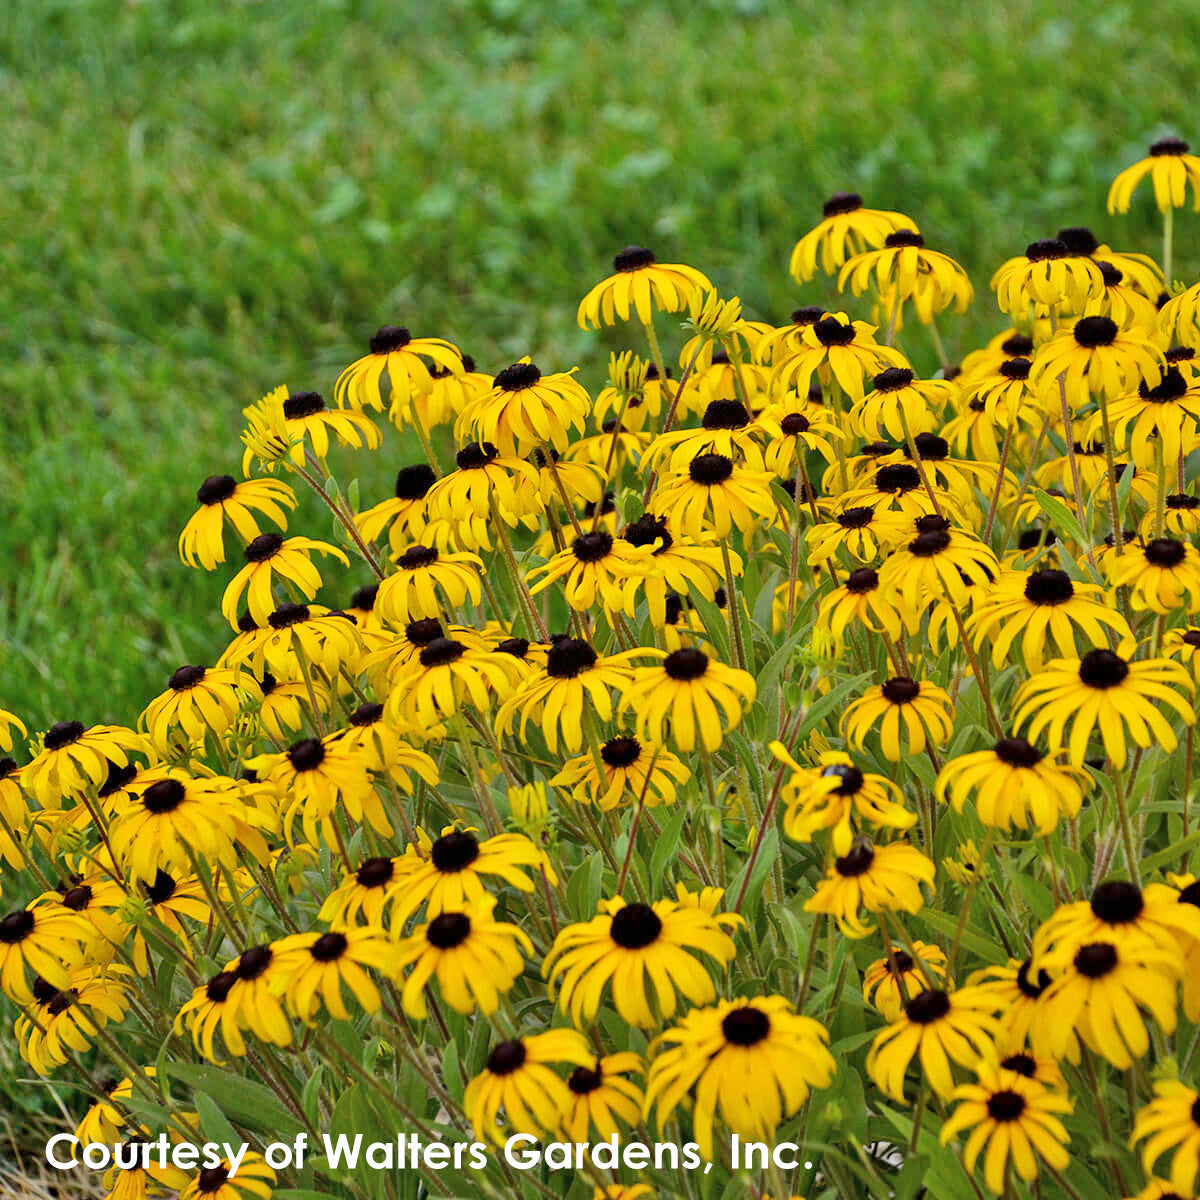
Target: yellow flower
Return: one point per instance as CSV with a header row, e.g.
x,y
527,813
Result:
x,y
1171,169
641,284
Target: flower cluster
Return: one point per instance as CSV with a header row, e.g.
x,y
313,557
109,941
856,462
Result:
x,y
785,741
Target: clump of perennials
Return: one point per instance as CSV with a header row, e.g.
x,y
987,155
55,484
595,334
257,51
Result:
x,y
791,738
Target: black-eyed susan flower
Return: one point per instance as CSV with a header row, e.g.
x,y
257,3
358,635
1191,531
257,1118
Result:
x,y
1160,420
317,778
890,981
222,498
688,697
938,1027
40,941
906,269
74,756
394,350
96,896
1171,168
1043,607
752,1061
846,228
1016,785
1122,301
680,565
648,956
428,583
280,705
897,487
167,899
640,284
1180,518
297,634
483,487
1184,645
848,350
795,429
176,819
1125,914
384,751
596,567
403,515
474,958
579,476
1093,358
634,771
1179,317
899,404
602,1098
198,701
1047,274
1105,691
864,531
104,1121
525,410
1005,394
939,562
250,1179
64,1021
519,1081
1018,987
307,423
1012,1119
574,675
448,873
861,600
834,794
316,969
1096,993
875,879
726,428
271,558
447,676
149,1177
909,714
1162,576
1171,1122
1140,270
714,494
365,895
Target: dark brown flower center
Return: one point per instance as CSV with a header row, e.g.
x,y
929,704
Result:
x,y
1117,902
928,1006
303,404
725,414
591,547
518,377
1171,386
390,337
841,203
413,482
1044,249
507,1058
857,862
1096,960
1169,146
422,632
710,469
647,530
441,652
685,665
831,332
745,1026
64,733
265,546
366,714
794,424
1165,552
329,947
1079,240
1017,752
215,489
306,755
219,986
850,779
254,962
287,615
621,752
1030,987
211,1179
416,557
1091,332
1015,368
164,796
1049,586
455,851
584,1080
1102,669
1005,1106
448,930
633,258
1018,345
16,927
1023,1064
635,926
77,898
892,380
476,456
569,657
901,690
862,580
375,872
903,237
185,678
897,478
162,889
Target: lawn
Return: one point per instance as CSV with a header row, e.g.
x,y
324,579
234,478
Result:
x,y
201,201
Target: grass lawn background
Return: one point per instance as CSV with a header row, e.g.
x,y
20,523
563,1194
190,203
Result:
x,y
203,200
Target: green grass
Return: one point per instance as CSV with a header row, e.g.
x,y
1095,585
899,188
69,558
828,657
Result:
x,y
202,201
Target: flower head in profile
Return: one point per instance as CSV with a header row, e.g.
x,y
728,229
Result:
x,y
1172,168
846,228
910,714
1171,1122
873,879
640,284
223,499
409,364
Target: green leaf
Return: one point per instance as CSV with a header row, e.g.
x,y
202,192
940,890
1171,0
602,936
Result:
x,y
946,924
213,1122
583,888
1172,854
666,845
832,701
242,1100
1060,515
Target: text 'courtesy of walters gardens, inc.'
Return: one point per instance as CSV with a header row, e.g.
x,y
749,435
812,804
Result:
x,y
408,1152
